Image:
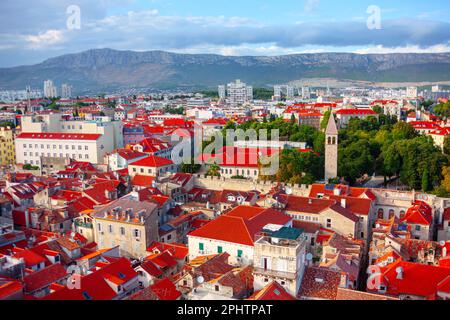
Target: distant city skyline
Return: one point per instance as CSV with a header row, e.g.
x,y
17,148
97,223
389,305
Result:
x,y
33,32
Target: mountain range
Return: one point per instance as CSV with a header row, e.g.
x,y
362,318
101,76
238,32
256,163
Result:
x,y
106,70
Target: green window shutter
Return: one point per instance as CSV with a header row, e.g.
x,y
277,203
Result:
x,y
201,246
239,253
219,249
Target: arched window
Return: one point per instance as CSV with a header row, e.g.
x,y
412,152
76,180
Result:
x,y
334,140
380,214
391,213
329,140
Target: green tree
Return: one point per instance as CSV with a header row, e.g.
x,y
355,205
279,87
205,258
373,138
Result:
x,y
425,180
326,118
355,160
447,145
378,109
213,171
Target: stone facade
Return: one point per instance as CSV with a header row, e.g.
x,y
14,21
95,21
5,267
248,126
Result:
x,y
331,150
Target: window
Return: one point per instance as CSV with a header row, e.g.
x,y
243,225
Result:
x,y
137,233
217,288
122,231
110,229
417,228
328,223
201,246
239,253
99,226
219,249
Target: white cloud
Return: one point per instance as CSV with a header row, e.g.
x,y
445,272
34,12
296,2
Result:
x,y
310,5
50,37
440,48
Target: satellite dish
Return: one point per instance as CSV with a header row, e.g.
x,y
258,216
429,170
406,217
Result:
x,y
309,257
200,279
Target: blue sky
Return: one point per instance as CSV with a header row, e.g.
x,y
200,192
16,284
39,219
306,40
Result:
x,y
35,30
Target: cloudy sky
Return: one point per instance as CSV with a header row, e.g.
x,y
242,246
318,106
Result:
x,y
34,30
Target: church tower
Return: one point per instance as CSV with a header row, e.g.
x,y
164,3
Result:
x,y
331,150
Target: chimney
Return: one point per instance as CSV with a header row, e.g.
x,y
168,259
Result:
x,y
344,203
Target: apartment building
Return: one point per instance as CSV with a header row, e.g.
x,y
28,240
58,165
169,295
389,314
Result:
x,y
128,223
7,150
280,256
51,136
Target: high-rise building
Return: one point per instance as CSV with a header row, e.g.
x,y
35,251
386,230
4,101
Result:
x,y
289,92
411,92
66,91
277,93
238,93
222,92
49,89
436,88
306,93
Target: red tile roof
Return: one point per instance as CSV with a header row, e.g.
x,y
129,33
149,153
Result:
x,y
152,162
241,224
31,258
420,213
9,287
320,283
272,292
59,136
143,181
44,278
94,285
165,290
178,251
417,279
152,269
128,154
356,112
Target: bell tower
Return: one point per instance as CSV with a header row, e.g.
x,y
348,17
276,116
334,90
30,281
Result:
x,y
331,150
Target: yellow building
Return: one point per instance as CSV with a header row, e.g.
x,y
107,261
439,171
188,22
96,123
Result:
x,y
7,150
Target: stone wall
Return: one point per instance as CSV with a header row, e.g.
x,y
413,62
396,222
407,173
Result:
x,y
216,183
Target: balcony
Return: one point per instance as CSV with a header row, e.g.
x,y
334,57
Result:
x,y
82,224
